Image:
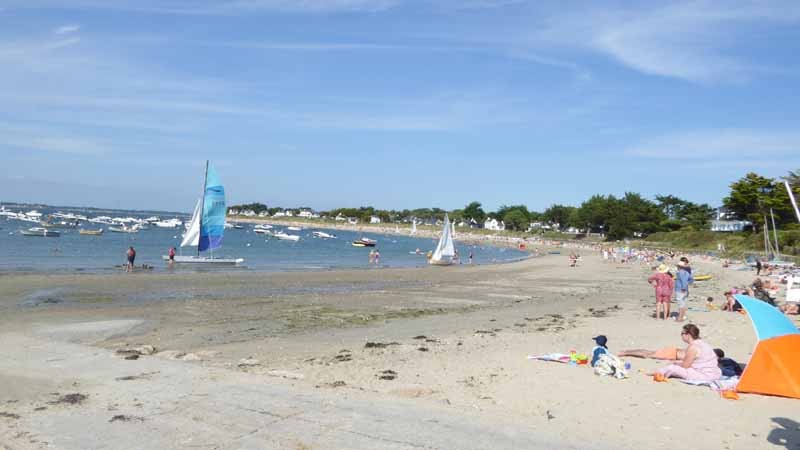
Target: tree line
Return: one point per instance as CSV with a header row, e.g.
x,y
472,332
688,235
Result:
x,y
751,198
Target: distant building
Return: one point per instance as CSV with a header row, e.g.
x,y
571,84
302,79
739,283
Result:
x,y
263,214
352,220
233,212
374,219
308,214
730,226
248,213
279,214
340,218
494,225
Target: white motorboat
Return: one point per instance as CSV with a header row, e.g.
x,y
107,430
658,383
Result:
x,y
323,235
262,226
364,242
261,231
40,231
294,228
286,237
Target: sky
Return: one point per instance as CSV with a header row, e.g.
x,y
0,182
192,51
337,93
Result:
x,y
393,103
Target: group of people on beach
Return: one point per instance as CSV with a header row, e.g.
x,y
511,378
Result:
x,y
666,284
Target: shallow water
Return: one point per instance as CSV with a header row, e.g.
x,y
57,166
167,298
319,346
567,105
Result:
x,y
72,252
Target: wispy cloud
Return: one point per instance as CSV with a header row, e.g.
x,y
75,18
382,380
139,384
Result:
x,y
716,145
693,41
212,7
67,29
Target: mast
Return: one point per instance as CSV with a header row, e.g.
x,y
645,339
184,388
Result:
x,y
202,208
775,235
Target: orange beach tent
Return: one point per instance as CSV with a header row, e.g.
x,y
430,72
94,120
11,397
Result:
x,y
774,368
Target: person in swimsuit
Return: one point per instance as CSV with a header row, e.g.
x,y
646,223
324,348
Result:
x,y
131,254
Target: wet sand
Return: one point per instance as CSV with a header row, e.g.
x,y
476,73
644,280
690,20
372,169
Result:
x,y
454,338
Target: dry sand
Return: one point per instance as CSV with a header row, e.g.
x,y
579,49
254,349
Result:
x,y
436,342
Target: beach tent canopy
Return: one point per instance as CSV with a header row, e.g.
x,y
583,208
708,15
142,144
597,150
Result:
x,y
774,368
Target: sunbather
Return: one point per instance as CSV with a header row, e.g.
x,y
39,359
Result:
x,y
699,361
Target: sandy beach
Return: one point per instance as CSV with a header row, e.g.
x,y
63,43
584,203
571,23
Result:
x,y
384,358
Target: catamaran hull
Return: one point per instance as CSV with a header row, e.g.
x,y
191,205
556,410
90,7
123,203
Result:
x,y
180,259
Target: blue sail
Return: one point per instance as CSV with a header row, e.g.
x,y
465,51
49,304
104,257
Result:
x,y
212,225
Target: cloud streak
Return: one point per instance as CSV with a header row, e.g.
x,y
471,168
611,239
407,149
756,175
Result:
x,y
719,144
67,29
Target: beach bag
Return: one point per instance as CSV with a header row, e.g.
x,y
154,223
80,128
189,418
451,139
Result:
x,y
608,364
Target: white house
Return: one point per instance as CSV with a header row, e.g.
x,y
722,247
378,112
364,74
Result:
x,y
374,219
340,218
249,213
232,212
279,214
352,220
289,213
307,214
263,214
494,225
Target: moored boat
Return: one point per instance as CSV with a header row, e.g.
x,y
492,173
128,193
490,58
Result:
x,y
98,232
445,250
364,242
40,231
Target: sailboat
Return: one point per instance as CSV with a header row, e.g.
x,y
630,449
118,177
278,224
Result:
x,y
414,227
443,255
207,226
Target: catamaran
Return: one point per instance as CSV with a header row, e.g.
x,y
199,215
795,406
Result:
x,y
207,225
443,255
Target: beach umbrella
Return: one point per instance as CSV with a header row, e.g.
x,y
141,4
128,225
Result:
x,y
774,368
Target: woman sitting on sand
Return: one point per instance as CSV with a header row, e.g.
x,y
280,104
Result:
x,y
699,360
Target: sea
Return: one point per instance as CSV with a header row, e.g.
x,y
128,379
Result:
x,y
73,252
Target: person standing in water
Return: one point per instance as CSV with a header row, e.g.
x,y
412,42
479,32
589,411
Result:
x,y
131,254
171,255
377,257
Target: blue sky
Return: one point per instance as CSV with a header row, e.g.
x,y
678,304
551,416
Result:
x,y
393,103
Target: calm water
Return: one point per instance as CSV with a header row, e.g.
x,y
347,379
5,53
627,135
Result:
x,y
74,252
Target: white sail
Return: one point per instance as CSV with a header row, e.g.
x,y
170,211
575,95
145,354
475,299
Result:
x,y
414,226
445,249
453,230
192,235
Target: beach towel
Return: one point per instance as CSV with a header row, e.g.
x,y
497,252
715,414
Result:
x,y
722,384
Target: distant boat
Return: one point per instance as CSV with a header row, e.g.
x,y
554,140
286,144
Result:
x,y
40,231
263,226
261,231
323,235
443,255
286,237
294,228
123,230
90,232
364,242
207,227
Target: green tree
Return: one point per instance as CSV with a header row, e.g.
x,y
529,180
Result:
x,y
558,214
475,212
753,196
516,219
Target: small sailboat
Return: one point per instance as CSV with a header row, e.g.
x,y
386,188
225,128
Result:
x,y
445,250
414,227
207,226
